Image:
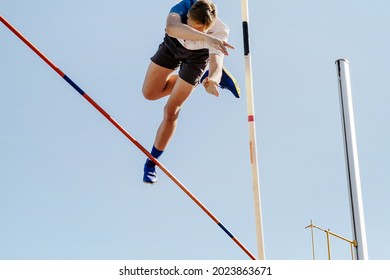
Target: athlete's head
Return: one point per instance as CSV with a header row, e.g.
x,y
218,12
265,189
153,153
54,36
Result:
x,y
202,15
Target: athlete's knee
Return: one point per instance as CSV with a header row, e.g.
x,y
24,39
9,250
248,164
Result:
x,y
171,113
148,93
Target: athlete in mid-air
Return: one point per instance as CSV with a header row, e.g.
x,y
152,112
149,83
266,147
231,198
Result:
x,y
195,37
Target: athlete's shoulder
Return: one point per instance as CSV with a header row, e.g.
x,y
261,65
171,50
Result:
x,y
182,7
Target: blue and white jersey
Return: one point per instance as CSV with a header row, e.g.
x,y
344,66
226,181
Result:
x,y
218,30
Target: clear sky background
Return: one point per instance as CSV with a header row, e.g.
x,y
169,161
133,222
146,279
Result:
x,y
71,184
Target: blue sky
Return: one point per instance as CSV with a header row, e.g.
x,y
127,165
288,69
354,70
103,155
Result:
x,y
70,183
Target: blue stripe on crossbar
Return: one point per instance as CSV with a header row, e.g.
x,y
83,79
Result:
x,y
226,230
76,87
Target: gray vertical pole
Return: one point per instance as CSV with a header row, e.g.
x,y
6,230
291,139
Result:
x,y
351,159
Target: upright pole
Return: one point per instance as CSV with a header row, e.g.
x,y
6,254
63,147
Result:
x,y
351,159
126,134
252,131
328,242
312,239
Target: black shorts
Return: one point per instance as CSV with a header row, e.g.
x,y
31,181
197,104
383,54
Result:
x,y
171,54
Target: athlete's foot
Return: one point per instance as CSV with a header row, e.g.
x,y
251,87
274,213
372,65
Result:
x,y
150,175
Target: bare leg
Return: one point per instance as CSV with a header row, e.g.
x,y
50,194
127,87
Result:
x,y
180,93
159,82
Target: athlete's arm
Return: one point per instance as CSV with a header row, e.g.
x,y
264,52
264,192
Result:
x,y
215,72
175,28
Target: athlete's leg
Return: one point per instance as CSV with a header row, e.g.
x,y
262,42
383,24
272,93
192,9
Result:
x,y
158,82
180,93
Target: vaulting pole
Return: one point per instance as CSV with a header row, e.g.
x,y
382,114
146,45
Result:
x,y
351,159
252,131
125,133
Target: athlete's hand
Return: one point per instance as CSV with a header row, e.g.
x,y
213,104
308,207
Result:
x,y
211,86
218,44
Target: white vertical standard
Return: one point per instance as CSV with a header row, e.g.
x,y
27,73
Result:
x,y
351,159
252,131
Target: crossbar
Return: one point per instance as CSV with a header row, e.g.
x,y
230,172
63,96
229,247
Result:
x,y
125,133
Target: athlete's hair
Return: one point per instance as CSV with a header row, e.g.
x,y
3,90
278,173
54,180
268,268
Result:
x,y
203,12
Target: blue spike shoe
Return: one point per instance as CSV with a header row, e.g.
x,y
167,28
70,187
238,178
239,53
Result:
x,y
150,175
227,82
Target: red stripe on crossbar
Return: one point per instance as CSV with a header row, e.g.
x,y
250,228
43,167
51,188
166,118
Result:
x,y
251,118
31,46
243,248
